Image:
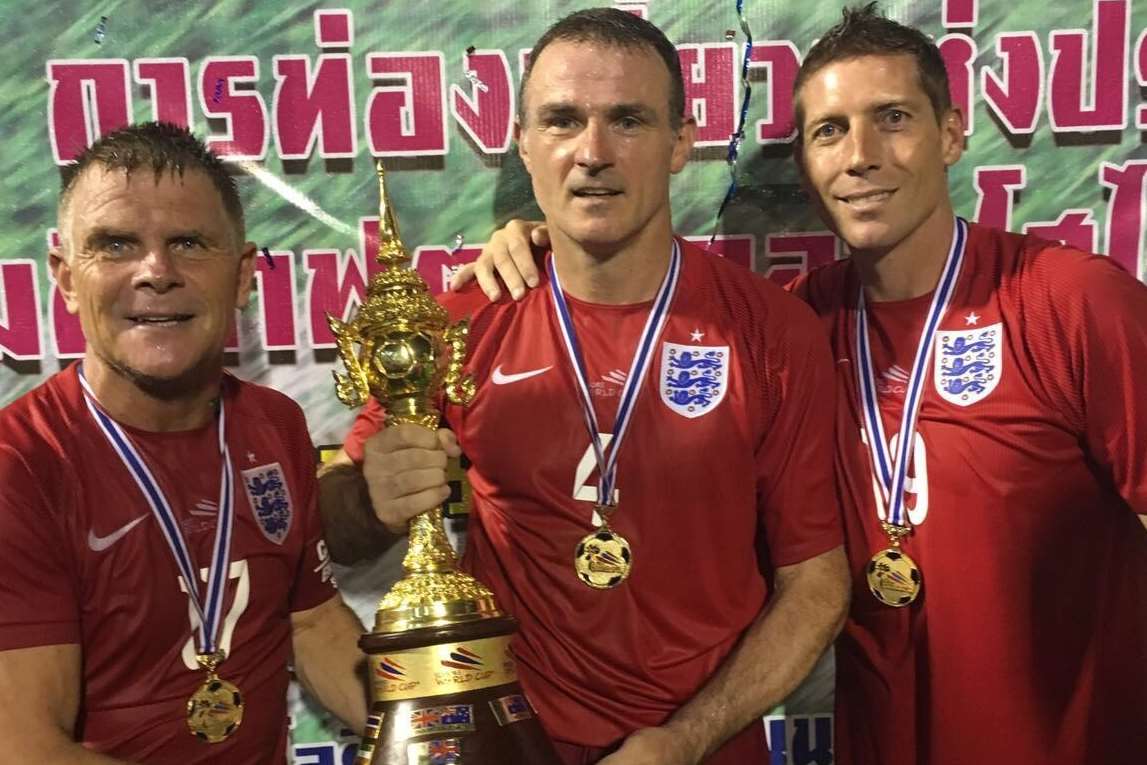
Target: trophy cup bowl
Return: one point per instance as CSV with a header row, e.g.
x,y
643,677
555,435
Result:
x,y
444,689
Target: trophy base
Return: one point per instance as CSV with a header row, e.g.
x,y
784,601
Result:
x,y
449,696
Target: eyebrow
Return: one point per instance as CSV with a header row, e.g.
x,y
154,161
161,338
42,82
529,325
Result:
x,y
104,233
837,116
614,111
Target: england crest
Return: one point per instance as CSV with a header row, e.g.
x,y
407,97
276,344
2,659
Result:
x,y
969,363
270,500
694,378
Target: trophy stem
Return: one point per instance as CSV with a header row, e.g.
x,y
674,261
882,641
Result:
x,y
430,550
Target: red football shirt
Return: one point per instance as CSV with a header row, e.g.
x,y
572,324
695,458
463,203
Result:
x,y
1028,643
83,561
699,476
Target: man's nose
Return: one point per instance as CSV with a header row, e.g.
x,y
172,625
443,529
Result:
x,y
158,269
595,147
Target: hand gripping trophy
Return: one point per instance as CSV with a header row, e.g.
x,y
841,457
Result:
x,y
443,684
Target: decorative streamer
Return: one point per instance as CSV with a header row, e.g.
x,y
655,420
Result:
x,y
738,137
101,30
472,74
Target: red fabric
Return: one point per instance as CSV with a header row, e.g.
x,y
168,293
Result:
x,y
124,604
746,748
693,492
1029,641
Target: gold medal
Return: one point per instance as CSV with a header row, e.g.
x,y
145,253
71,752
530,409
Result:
x,y
215,710
893,577
603,559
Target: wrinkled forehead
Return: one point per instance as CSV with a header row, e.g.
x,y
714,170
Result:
x,y
597,75
110,196
860,83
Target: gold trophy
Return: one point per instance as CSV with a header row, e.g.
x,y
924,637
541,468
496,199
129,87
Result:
x,y
443,684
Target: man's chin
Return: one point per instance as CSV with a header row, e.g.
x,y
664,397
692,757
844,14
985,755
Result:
x,y
866,236
170,382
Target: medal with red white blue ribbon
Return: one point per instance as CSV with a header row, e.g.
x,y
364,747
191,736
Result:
x,y
604,558
215,710
894,578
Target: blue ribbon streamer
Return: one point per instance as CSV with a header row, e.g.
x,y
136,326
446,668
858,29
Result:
x,y
738,137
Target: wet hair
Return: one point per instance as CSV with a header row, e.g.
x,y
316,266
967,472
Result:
x,y
164,148
864,31
617,29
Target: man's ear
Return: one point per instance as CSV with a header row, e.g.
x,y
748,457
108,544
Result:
x,y
62,274
247,264
523,152
952,136
684,144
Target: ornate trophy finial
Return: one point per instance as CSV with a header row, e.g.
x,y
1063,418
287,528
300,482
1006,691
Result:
x,y
392,253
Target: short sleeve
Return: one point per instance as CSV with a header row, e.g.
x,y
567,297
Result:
x,y
796,486
314,583
368,422
1106,368
39,604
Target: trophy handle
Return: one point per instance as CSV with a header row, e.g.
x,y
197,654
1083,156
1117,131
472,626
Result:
x,y
459,389
352,388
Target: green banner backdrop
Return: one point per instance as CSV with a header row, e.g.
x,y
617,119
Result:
x,y
301,96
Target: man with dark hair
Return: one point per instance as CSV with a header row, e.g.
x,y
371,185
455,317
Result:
x,y
993,503
161,559
1012,465
627,551
624,31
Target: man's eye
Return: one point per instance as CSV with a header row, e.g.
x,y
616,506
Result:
x,y
114,247
560,123
629,123
187,244
895,117
826,130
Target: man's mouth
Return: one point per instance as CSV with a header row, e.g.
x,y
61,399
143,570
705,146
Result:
x,y
160,319
595,191
867,198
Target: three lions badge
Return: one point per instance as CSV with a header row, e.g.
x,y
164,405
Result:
x,y
694,378
968,363
270,498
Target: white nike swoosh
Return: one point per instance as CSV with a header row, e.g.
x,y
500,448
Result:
x,y
99,544
499,378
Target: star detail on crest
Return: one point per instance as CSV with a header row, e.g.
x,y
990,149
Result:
x,y
696,335
251,456
971,319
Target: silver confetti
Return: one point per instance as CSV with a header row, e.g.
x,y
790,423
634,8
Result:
x,y
472,76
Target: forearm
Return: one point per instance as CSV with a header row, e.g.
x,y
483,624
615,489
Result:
x,y
60,753
351,530
776,652
330,665
40,697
